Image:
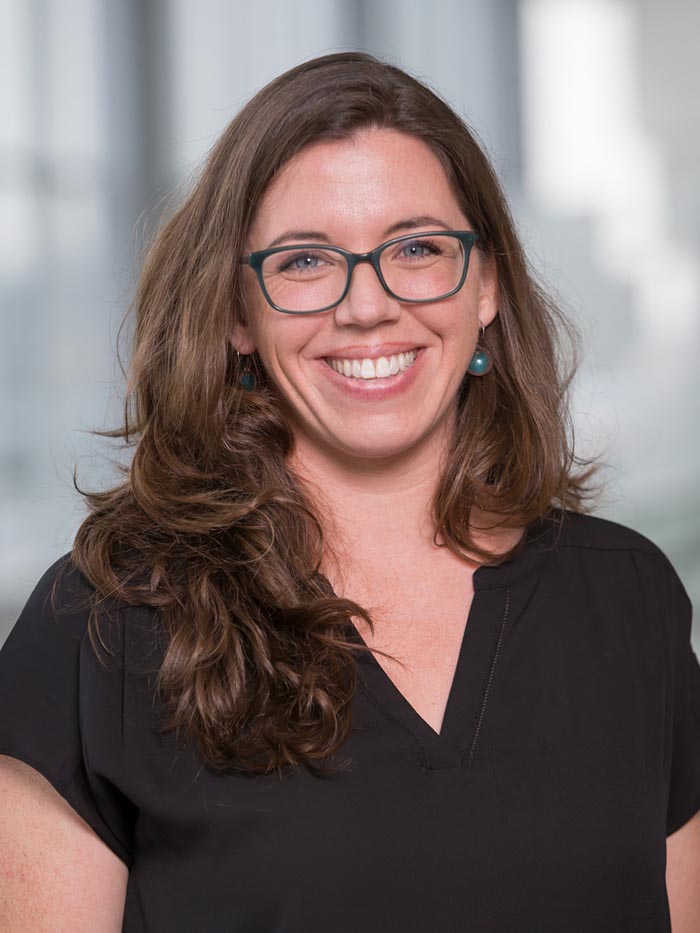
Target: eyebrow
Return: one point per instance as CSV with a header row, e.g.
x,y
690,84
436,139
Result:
x,y
297,236
318,236
424,220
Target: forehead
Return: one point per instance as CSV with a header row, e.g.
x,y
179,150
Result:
x,y
373,178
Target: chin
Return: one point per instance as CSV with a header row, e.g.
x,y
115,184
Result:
x,y
387,450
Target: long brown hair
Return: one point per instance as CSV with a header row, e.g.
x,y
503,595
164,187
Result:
x,y
209,526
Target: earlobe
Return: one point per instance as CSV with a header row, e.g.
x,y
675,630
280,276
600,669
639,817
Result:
x,y
242,340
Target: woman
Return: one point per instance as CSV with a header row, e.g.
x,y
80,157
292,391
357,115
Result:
x,y
355,660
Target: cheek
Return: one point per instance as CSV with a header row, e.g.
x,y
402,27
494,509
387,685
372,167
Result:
x,y
282,343
457,326
261,324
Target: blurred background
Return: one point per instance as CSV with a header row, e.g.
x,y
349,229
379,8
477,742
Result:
x,y
590,110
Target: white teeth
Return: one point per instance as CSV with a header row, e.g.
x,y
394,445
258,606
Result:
x,y
367,368
368,371
383,368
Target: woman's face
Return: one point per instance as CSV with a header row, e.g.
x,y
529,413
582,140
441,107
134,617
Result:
x,y
357,194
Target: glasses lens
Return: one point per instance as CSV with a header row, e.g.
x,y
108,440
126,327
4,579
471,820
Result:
x,y
418,268
304,279
423,268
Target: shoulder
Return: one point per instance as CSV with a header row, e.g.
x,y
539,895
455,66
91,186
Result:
x,y
575,531
614,552
591,532
65,611
62,590
56,612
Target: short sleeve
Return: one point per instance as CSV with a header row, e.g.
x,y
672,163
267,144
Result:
x,y
49,676
684,763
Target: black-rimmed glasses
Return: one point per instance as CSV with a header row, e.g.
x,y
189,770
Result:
x,y
312,277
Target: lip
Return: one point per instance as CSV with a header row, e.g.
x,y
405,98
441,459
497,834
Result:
x,y
375,390
371,353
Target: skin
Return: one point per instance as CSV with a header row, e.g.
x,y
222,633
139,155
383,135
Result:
x,y
354,191
683,877
56,874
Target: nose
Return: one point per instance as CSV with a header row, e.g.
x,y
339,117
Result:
x,y
366,303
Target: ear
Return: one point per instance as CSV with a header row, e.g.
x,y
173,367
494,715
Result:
x,y
489,291
242,340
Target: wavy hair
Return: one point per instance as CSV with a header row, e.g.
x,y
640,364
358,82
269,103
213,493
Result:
x,y
209,526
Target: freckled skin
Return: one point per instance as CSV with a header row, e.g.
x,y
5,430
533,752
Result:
x,y
353,191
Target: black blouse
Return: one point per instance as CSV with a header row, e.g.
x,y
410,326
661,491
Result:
x,y
570,748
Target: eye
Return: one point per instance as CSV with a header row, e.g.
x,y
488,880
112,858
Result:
x,y
297,262
419,249
302,261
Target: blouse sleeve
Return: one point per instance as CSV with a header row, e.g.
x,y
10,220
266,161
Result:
x,y
684,777
50,682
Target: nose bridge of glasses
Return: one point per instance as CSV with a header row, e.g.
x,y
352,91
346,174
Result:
x,y
368,301
371,258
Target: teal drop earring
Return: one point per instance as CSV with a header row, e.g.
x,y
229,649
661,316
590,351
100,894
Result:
x,y
247,378
481,361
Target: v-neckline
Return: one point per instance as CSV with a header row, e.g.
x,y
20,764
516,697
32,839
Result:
x,y
480,648
463,711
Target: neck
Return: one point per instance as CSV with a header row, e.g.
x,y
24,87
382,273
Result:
x,y
371,505
376,511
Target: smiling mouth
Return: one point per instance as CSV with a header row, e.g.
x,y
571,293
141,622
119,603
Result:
x,y
381,368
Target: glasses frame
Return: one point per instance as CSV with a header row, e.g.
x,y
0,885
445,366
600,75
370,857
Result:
x,y
466,237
